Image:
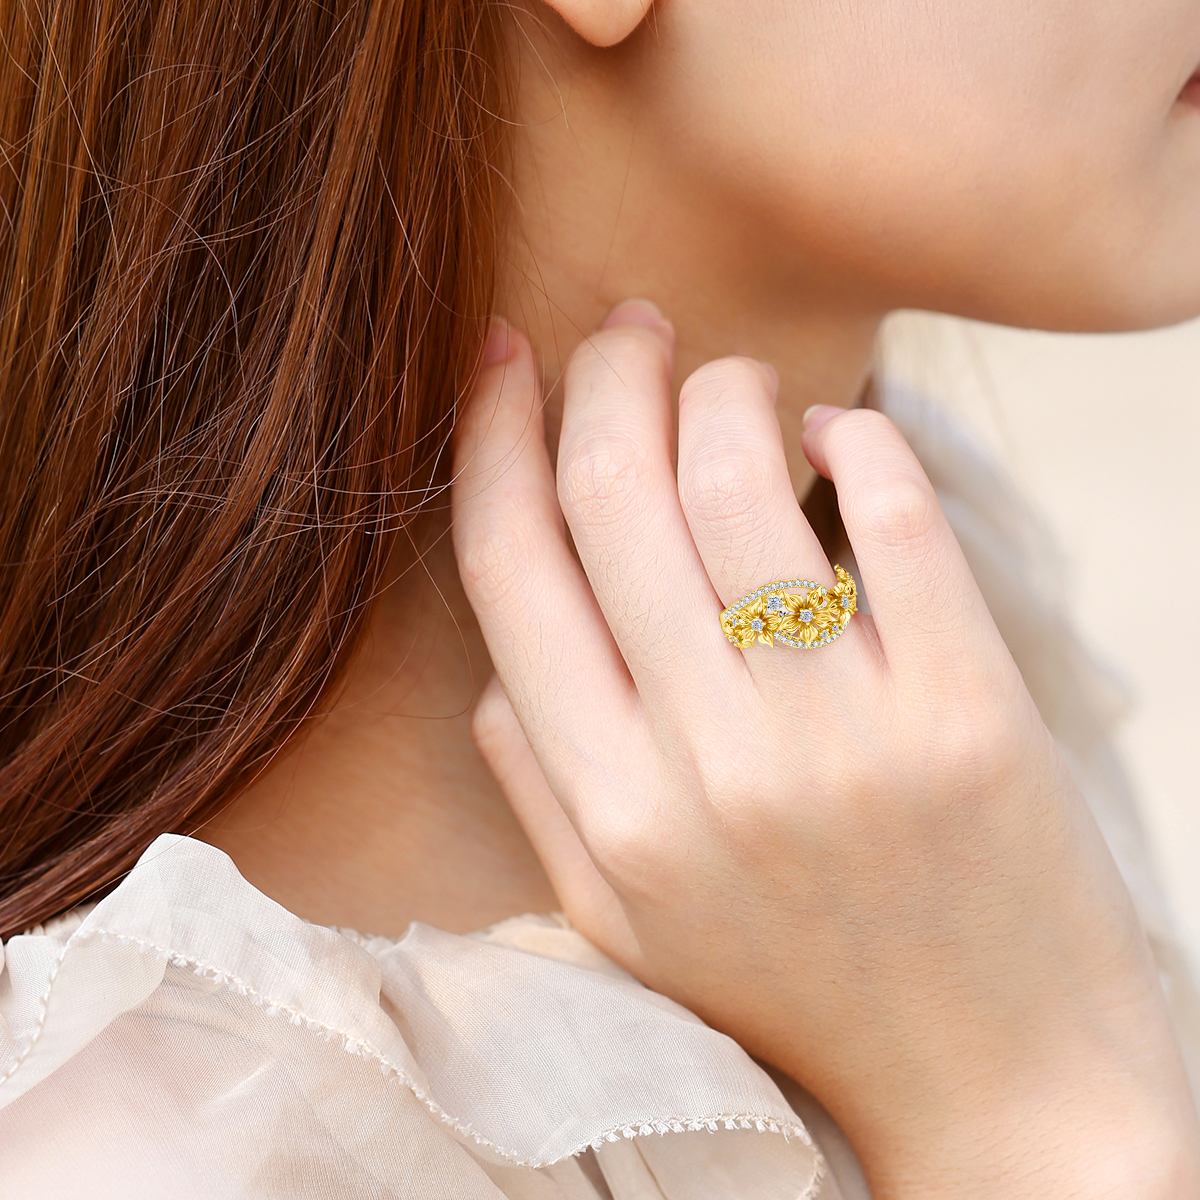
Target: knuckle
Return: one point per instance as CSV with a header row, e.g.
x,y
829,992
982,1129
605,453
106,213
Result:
x,y
497,561
490,721
601,478
627,851
733,374
858,428
738,783
722,778
970,747
870,419
899,509
727,488
619,841
603,358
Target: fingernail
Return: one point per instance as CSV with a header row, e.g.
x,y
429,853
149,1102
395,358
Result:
x,y
817,414
498,347
634,312
771,372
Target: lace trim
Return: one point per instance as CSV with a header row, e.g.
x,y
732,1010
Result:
x,y
363,1049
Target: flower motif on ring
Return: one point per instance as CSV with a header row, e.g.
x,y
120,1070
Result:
x,y
810,616
844,596
753,622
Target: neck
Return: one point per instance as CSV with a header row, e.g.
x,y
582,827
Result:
x,y
382,811
607,208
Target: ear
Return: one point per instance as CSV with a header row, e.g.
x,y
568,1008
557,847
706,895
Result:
x,y
602,22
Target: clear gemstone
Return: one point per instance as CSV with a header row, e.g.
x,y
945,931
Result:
x,y
845,601
775,604
756,625
805,614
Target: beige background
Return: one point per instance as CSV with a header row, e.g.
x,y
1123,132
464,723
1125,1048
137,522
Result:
x,y
1103,435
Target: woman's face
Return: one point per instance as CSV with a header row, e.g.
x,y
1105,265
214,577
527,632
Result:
x,y
1026,161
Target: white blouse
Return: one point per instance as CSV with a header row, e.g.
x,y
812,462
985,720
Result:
x,y
190,1037
187,1036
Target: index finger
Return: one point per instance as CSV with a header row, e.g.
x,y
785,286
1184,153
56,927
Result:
x,y
544,630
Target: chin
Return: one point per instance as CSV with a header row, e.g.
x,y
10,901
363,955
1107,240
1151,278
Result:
x,y
1131,306
1087,300
1166,307
1136,283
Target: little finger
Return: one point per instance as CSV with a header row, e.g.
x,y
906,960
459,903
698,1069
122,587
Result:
x,y
924,599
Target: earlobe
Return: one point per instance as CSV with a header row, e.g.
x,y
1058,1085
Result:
x,y
602,22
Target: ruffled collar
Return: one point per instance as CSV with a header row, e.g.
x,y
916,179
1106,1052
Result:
x,y
523,1042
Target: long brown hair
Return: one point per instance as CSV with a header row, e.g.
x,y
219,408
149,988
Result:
x,y
247,250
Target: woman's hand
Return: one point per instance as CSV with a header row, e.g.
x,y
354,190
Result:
x,y
866,862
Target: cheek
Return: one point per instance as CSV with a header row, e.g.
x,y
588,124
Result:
x,y
913,144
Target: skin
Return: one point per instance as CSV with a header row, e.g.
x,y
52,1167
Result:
x,y
777,177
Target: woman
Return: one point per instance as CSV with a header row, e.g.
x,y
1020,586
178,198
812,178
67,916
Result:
x,y
250,252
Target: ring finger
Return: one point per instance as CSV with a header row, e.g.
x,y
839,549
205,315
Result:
x,y
740,505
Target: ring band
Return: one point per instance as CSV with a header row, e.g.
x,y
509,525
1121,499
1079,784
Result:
x,y
775,613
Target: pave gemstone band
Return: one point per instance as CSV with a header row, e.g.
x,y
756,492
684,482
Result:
x,y
796,612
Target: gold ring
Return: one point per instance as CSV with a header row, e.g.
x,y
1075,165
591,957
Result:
x,y
777,613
